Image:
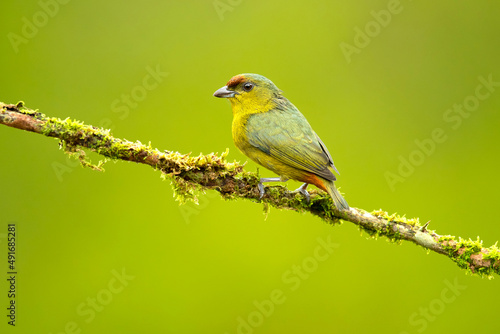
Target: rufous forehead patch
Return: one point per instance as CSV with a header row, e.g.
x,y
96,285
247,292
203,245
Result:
x,y
237,79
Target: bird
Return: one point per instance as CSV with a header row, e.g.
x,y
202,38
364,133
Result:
x,y
272,132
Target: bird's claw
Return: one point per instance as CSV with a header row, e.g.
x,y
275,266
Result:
x,y
261,190
303,191
267,179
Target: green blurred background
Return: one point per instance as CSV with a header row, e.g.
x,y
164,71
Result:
x,y
211,268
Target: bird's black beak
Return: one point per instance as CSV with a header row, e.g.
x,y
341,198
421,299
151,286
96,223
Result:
x,y
224,92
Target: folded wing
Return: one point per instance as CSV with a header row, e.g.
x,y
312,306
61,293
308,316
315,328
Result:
x,y
285,134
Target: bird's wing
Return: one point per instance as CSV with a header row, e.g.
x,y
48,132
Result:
x,y
323,146
286,135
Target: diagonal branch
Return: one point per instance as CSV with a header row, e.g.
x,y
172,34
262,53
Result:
x,y
191,174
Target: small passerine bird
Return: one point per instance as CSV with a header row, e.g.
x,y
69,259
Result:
x,y
271,131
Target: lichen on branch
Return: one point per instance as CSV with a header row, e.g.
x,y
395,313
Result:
x,y
189,175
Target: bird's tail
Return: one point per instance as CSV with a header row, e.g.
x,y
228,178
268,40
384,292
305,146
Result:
x,y
339,201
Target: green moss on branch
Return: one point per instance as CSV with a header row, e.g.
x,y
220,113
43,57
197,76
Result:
x,y
190,175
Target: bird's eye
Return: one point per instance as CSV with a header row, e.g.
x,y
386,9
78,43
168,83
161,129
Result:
x,y
247,86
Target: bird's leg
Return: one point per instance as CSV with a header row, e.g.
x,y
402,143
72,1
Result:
x,y
267,179
303,191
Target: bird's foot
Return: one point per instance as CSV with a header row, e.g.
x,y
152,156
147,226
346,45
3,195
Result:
x,y
261,190
267,179
303,191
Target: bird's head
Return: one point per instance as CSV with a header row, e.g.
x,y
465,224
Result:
x,y
250,92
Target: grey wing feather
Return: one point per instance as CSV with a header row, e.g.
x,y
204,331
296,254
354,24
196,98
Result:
x,y
323,146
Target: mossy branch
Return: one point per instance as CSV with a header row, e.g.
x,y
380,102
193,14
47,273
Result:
x,y
191,174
